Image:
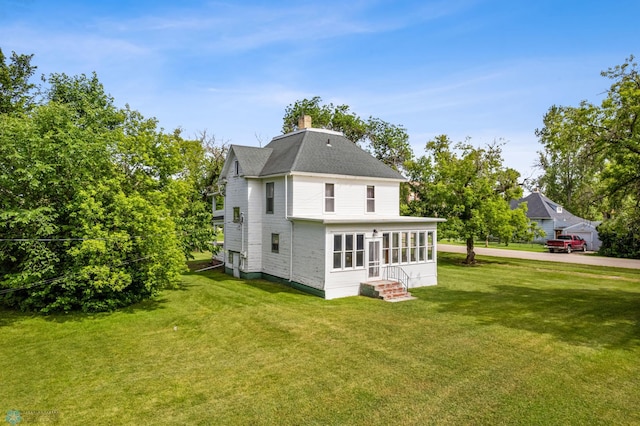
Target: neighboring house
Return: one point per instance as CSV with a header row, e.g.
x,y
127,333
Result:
x,y
314,211
555,220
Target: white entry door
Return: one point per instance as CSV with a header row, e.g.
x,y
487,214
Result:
x,y
373,260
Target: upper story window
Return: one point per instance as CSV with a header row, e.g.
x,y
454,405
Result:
x,y
270,195
236,214
371,198
329,198
236,167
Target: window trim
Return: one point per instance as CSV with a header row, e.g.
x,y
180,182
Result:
x,y
332,197
408,247
270,197
370,201
355,253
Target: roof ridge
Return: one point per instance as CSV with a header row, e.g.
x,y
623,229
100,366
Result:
x,y
294,164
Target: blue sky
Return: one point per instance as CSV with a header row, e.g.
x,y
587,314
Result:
x,y
483,69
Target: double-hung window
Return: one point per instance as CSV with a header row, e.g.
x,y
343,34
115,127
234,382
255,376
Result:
x,y
275,243
270,196
329,198
371,199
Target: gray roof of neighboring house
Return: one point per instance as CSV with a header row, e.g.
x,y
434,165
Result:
x,y
311,151
540,207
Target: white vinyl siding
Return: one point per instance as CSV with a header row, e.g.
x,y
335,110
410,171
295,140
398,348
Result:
x,y
307,197
274,263
309,248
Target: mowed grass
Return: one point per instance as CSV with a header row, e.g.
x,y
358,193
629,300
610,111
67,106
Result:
x,y
506,342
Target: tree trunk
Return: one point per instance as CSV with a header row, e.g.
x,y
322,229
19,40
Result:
x,y
471,255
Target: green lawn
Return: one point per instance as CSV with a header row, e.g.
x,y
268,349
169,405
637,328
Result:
x,y
505,342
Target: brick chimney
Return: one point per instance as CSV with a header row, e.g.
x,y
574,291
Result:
x,y
304,122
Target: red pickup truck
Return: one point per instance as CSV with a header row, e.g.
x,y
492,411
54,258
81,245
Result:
x,y
567,243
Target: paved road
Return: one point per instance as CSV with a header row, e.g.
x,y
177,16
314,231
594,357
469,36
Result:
x,y
579,258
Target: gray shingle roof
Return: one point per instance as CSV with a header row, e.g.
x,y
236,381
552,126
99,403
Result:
x,y
251,159
312,151
541,207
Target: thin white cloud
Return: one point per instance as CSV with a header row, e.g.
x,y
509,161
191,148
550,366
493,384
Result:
x,y
236,27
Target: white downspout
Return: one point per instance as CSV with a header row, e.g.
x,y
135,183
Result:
x,y
242,253
286,215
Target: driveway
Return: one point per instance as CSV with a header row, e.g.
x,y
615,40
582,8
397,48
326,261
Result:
x,y
574,257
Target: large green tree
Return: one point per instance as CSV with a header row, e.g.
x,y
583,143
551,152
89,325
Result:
x,y
571,170
98,203
333,117
601,146
471,188
387,142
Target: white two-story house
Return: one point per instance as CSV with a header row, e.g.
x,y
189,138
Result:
x,y
314,211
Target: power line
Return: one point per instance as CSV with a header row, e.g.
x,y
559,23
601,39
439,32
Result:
x,y
52,240
23,240
52,280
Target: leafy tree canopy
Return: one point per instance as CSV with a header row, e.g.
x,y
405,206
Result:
x,y
591,159
387,142
16,91
469,187
100,206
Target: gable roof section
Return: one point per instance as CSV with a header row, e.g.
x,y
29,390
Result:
x,y
251,159
541,207
311,151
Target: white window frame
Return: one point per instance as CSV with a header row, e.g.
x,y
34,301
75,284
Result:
x,y
354,256
406,247
270,207
370,203
331,197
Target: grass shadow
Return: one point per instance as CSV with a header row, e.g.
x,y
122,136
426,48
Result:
x,y
9,316
274,287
